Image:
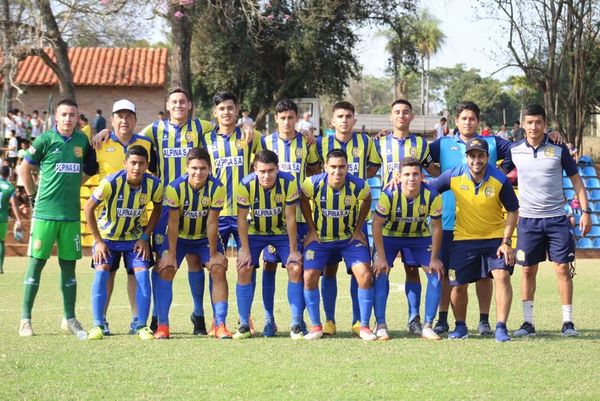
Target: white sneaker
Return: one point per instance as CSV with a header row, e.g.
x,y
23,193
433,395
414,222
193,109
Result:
x,y
314,335
25,329
382,333
367,335
74,327
429,334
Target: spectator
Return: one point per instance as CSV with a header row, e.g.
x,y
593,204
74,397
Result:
x,y
99,122
36,125
245,119
504,133
518,133
306,124
575,205
573,151
441,128
9,124
85,127
20,125
161,116
13,148
486,131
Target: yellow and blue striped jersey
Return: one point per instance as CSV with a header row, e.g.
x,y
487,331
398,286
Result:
x,y
408,217
393,150
120,220
267,206
335,211
360,150
194,205
109,158
479,212
172,144
231,156
294,156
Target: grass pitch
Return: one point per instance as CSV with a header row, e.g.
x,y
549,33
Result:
x,y
56,366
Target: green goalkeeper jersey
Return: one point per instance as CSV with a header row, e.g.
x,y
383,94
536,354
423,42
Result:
x,y
61,161
7,191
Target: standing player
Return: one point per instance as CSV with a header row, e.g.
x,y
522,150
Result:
x,y
7,201
400,225
299,159
124,196
392,149
341,205
482,237
194,202
543,227
268,197
362,162
60,154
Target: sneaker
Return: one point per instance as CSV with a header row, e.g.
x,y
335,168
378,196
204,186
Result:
x,y
162,332
105,329
460,333
199,325
96,333
145,333
242,333
222,333
366,334
484,328
429,333
315,333
526,330
414,326
568,330
211,331
25,329
441,327
502,333
74,327
356,328
329,328
296,332
133,326
270,329
381,333
303,327
153,324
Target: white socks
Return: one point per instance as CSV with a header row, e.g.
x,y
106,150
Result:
x,y
528,311
567,311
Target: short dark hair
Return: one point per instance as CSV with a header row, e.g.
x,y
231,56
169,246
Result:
x,y
67,102
467,105
266,156
223,96
402,101
198,154
409,162
137,150
535,110
336,153
98,111
180,90
286,105
517,122
4,171
444,119
343,105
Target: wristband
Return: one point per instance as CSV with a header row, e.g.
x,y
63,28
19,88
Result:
x,y
145,237
32,200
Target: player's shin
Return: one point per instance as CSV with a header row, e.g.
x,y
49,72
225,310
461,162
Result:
x,y
99,295
68,287
432,296
381,290
142,297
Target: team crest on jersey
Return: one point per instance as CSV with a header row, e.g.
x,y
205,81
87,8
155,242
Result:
x,y
271,249
239,144
356,152
310,254
278,198
159,238
548,151
31,150
520,256
299,153
451,274
143,199
422,209
464,187
78,151
348,200
188,137
413,152
110,149
205,201
489,192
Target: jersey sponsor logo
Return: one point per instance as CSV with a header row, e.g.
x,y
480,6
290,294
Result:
x,y
353,168
408,220
78,151
464,187
70,168
195,214
110,149
128,212
290,167
381,209
454,148
233,161
175,153
489,192
393,166
268,212
335,213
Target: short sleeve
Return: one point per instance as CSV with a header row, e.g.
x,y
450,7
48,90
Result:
x,y
292,194
218,198
383,205
171,198
508,197
426,158
308,188
568,163
157,196
434,150
435,207
243,196
90,163
374,158
366,191
102,191
35,153
150,132
312,157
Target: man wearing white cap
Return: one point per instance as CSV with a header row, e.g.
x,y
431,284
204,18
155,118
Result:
x,y
108,160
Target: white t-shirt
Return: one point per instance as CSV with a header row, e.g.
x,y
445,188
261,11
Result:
x,y
305,125
36,127
440,130
9,126
13,143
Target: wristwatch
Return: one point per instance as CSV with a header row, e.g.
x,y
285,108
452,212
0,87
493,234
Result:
x,y
587,210
507,241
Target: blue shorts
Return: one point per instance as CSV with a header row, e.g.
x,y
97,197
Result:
x,y
280,244
195,247
447,240
335,259
124,249
414,251
228,227
318,254
159,235
270,254
540,236
472,260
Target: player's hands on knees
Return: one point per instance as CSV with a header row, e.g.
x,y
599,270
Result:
x,y
508,252
142,249
380,266
295,257
101,253
311,236
585,224
435,266
167,260
100,138
359,236
244,260
217,260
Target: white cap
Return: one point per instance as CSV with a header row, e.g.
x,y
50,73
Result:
x,y
123,104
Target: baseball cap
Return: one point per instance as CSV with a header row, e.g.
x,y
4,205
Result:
x,y
477,144
123,104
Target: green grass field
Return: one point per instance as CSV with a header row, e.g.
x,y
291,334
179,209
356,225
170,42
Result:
x,y
56,366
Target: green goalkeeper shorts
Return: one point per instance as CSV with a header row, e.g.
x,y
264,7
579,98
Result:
x,y
3,228
66,234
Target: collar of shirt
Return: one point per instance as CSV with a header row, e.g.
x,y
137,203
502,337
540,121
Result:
x,y
457,137
64,137
114,138
543,143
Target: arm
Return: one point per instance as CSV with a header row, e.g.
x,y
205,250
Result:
x,y
170,259
365,208
100,138
585,223
212,232
101,252
15,210
26,174
372,171
435,264
504,248
380,264
305,207
244,259
292,228
433,170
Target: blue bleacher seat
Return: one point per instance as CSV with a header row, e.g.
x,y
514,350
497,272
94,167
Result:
x,y
596,243
375,193
567,183
231,243
592,183
580,171
585,243
595,195
568,209
589,171
577,230
594,232
569,194
595,219
597,206
564,173
577,218
375,182
585,160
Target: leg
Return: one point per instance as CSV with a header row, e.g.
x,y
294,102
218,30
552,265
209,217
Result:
x,y
220,294
459,299
412,289
268,288
2,257
196,280
329,291
110,284
504,295
68,287
143,295
245,294
311,296
131,294
295,292
164,298
442,324
364,277
32,283
100,294
484,289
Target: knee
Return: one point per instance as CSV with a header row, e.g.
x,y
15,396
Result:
x,y
245,276
167,273
295,273
217,274
311,278
460,290
528,273
363,275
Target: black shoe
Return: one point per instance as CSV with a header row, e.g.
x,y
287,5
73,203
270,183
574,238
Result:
x,y
441,327
154,324
199,325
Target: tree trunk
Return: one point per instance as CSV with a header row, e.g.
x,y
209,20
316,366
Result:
x,y
427,88
422,86
7,67
180,65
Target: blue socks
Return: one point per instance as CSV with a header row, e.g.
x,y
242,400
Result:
x,y
413,296
365,300
99,295
196,280
311,298
154,281
296,301
220,312
268,293
329,294
142,296
244,295
381,288
164,298
432,296
354,298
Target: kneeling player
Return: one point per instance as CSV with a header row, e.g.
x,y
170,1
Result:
x,y
271,196
124,196
342,202
400,225
194,202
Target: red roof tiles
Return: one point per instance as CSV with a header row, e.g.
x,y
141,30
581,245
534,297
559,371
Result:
x,y
93,66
